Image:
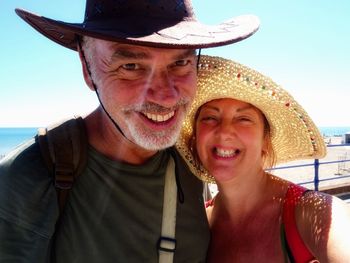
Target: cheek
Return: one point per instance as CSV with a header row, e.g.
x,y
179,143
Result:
x,y
253,140
187,85
124,92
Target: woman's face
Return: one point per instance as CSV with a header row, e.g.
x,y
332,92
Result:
x,y
230,138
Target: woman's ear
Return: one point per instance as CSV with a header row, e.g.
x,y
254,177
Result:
x,y
86,74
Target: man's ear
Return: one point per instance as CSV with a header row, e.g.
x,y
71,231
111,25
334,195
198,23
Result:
x,y
86,73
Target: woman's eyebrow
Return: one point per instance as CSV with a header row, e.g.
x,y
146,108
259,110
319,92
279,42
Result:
x,y
237,110
248,107
209,107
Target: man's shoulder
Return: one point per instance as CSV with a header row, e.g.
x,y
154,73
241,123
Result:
x,y
23,168
27,195
21,157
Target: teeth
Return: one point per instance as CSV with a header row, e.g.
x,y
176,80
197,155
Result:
x,y
226,153
158,117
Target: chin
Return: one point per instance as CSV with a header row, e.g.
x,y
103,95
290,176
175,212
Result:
x,y
157,143
222,174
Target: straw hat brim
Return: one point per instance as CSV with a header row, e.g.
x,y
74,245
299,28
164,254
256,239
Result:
x,y
146,31
293,133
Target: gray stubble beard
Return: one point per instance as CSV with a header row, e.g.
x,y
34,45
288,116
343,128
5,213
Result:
x,y
155,140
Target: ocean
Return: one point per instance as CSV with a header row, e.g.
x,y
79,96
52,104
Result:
x,y
11,137
334,131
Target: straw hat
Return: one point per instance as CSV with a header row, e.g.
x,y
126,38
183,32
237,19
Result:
x,y
294,135
161,23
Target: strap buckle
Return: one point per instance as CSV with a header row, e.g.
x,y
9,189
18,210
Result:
x,y
167,244
64,176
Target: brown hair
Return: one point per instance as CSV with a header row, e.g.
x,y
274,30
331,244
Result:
x,y
269,156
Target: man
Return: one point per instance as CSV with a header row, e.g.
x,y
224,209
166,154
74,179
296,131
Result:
x,y
139,57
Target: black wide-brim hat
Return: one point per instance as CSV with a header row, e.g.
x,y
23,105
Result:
x,y
160,23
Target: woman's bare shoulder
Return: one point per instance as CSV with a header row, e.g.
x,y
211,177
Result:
x,y
323,222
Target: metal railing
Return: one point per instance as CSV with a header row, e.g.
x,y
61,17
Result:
x,y
316,164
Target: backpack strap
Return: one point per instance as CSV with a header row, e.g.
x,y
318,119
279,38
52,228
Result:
x,y
296,248
64,150
167,241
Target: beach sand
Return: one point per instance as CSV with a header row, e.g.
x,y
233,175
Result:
x,y
340,171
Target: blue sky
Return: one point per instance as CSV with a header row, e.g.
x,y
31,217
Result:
x,y
302,45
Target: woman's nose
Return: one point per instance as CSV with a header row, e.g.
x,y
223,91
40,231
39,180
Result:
x,y
227,129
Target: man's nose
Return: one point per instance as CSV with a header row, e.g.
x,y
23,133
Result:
x,y
162,88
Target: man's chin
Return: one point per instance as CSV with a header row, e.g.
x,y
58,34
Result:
x,y
156,142
155,145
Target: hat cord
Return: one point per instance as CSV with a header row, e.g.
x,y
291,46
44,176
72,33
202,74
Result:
x,y
198,59
96,91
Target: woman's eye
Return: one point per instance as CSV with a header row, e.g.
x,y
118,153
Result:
x,y
245,119
131,66
208,118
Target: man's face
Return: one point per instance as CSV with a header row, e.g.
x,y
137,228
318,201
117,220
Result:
x,y
147,91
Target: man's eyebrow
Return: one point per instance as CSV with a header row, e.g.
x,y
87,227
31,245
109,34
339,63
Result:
x,y
126,53
123,53
186,53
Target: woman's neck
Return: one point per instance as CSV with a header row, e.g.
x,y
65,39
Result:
x,y
242,195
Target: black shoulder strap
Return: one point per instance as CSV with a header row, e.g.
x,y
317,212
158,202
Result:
x,y
64,150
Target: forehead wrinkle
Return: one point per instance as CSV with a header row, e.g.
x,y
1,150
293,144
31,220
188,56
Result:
x,y
123,53
128,53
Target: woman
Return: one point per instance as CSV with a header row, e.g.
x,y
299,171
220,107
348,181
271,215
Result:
x,y
240,124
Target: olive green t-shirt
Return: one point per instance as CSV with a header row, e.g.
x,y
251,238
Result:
x,y
113,213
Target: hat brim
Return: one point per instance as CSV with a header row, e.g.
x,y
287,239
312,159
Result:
x,y
294,136
147,32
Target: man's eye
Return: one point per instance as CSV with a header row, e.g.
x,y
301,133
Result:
x,y
131,66
182,62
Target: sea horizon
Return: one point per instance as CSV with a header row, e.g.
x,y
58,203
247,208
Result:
x,y
10,137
